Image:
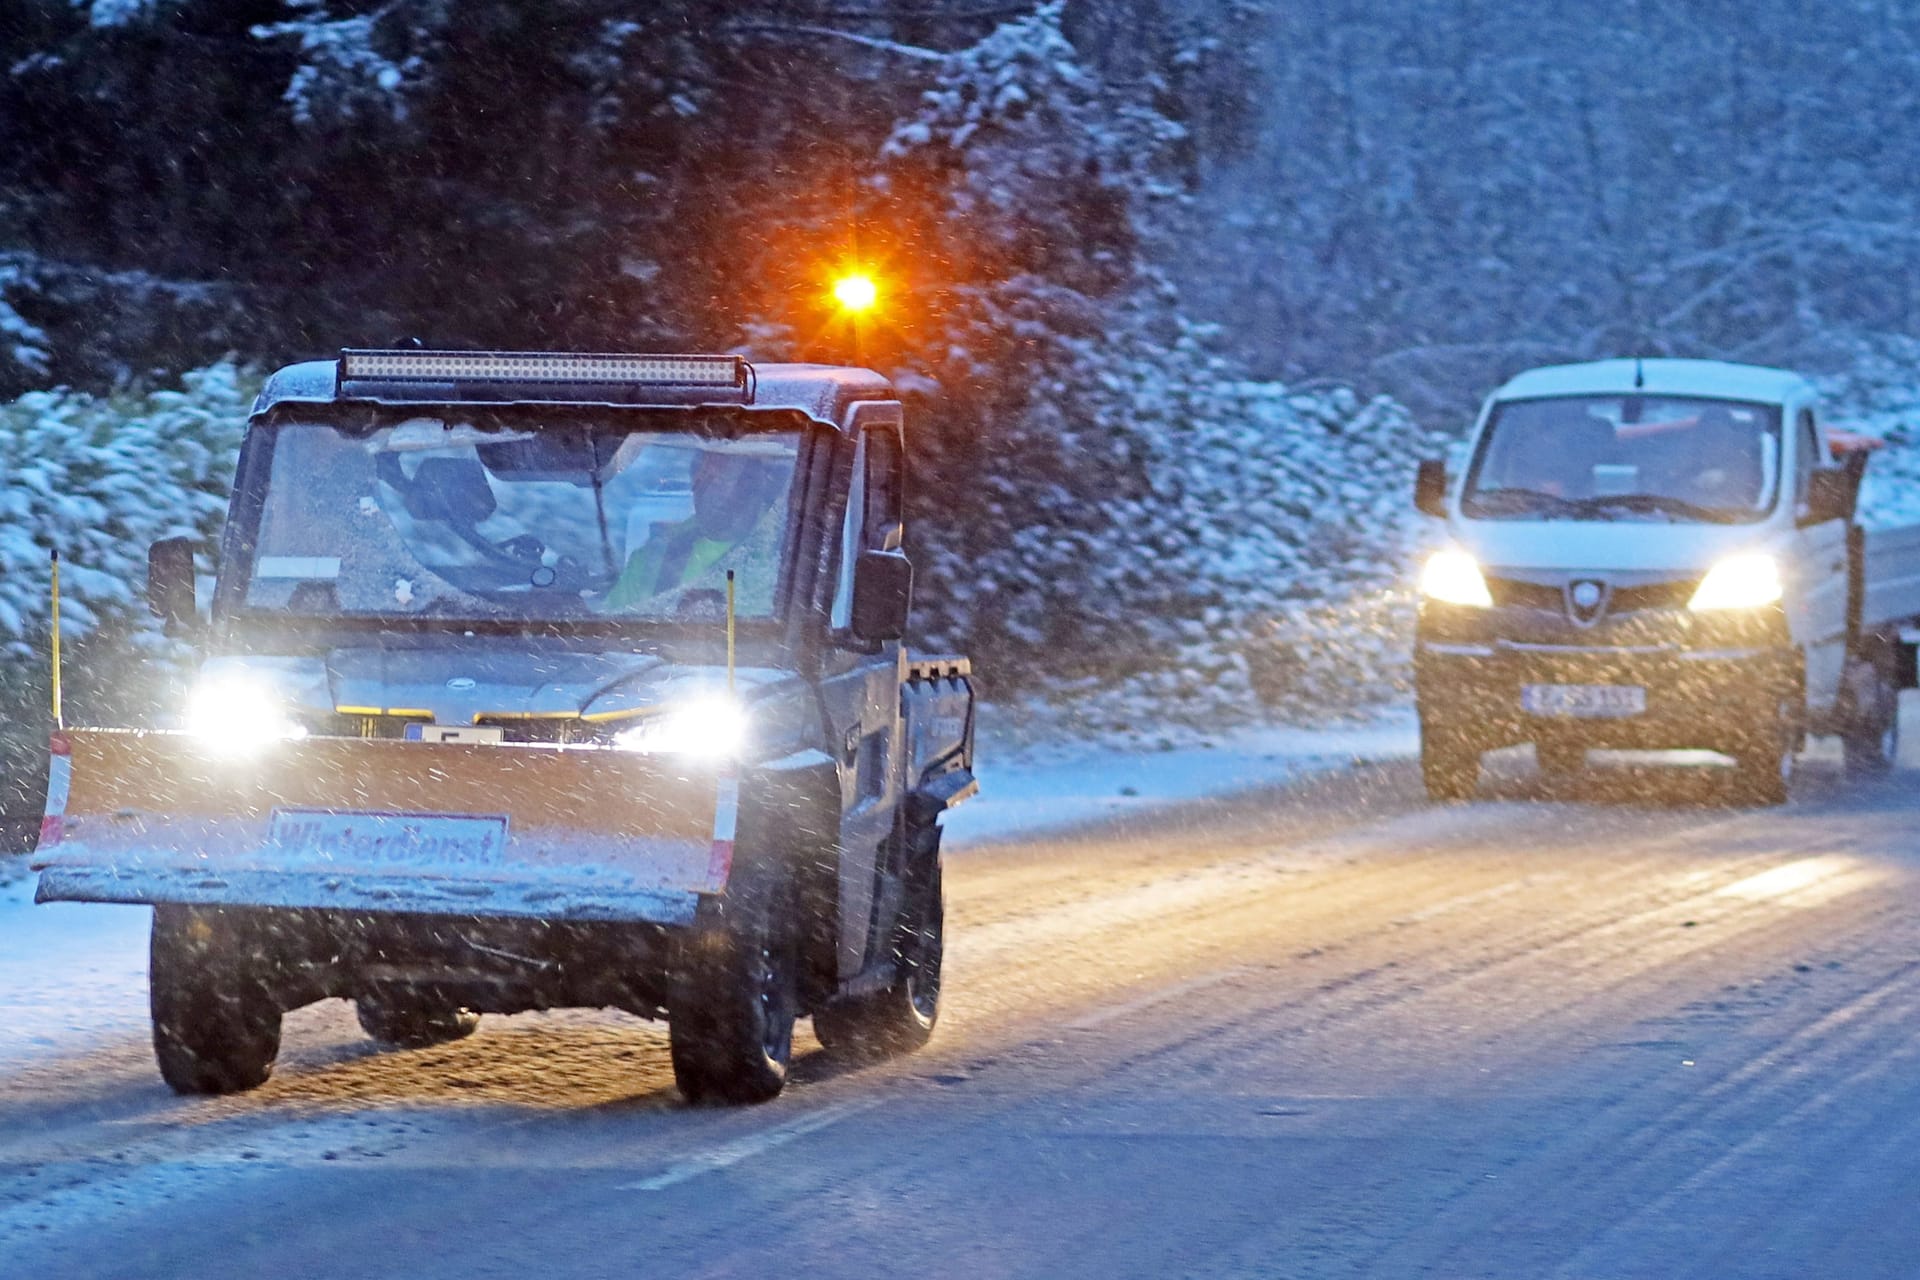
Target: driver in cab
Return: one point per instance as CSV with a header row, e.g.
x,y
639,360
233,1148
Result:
x,y
735,524
1728,469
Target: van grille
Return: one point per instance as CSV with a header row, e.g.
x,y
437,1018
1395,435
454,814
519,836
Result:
x,y
1520,593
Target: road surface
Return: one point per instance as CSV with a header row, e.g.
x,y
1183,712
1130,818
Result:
x,y
1614,1030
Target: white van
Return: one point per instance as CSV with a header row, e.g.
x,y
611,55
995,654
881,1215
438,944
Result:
x,y
1658,554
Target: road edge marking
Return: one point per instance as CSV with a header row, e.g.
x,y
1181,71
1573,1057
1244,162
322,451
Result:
x,y
728,1154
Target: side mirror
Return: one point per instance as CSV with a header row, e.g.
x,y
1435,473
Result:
x,y
170,584
882,595
1831,495
1430,487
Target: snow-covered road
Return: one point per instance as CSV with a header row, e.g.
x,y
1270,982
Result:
x,y
71,973
1322,1030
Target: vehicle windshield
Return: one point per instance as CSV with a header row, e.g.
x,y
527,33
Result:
x,y
1635,457
497,517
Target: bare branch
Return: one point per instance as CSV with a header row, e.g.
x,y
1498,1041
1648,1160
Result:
x,y
894,47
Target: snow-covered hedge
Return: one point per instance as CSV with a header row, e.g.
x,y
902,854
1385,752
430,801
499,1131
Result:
x,y
1265,568
1167,524
98,478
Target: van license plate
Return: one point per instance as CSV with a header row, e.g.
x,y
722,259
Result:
x,y
1583,701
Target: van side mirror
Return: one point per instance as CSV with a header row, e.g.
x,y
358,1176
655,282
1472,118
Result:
x,y
1831,495
1430,487
882,596
170,584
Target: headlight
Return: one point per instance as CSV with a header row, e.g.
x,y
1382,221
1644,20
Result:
x,y
706,728
1452,577
1746,581
236,713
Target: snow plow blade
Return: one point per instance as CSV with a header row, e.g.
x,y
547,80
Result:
x,y
544,832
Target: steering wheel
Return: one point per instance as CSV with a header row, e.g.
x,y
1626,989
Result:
x,y
441,500
526,553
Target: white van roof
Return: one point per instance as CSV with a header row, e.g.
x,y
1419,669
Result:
x,y
1715,378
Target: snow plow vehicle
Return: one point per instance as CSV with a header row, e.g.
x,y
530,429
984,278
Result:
x,y
1660,554
536,680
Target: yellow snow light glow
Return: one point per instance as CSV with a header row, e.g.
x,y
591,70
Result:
x,y
856,292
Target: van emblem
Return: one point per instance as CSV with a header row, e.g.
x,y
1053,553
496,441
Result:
x,y
1586,601
461,684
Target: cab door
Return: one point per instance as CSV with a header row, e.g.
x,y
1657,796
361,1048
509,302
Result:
x,y
862,691
1817,582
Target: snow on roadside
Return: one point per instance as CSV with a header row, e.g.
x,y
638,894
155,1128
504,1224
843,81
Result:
x,y
68,970
73,972
1035,789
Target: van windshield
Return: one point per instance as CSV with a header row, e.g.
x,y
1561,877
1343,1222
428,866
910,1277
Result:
x,y
453,517
1636,457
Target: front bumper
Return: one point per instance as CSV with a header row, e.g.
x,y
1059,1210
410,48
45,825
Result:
x,y
1714,683
524,897
385,826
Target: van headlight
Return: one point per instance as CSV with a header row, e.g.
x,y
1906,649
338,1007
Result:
x,y
1451,576
1750,580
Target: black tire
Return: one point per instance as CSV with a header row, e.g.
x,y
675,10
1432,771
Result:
x,y
412,1019
1449,765
216,1017
736,993
900,1017
1560,761
1871,744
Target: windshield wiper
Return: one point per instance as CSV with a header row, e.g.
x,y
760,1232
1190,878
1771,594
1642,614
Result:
x,y
1655,503
1516,502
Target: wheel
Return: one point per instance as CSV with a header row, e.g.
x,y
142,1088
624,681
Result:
x,y
1764,764
216,1018
411,1018
1871,744
1449,766
899,1018
1560,761
736,992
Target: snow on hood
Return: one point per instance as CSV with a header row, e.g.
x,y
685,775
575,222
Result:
x,y
1620,546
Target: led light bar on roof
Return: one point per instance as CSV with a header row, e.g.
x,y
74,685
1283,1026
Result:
x,y
538,366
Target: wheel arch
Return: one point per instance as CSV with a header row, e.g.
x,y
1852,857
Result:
x,y
792,810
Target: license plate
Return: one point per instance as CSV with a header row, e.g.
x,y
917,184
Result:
x,y
389,839
1583,700
489,734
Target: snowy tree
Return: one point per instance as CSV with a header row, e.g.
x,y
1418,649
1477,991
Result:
x,y
345,75
1416,200
1444,198
98,478
1097,491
